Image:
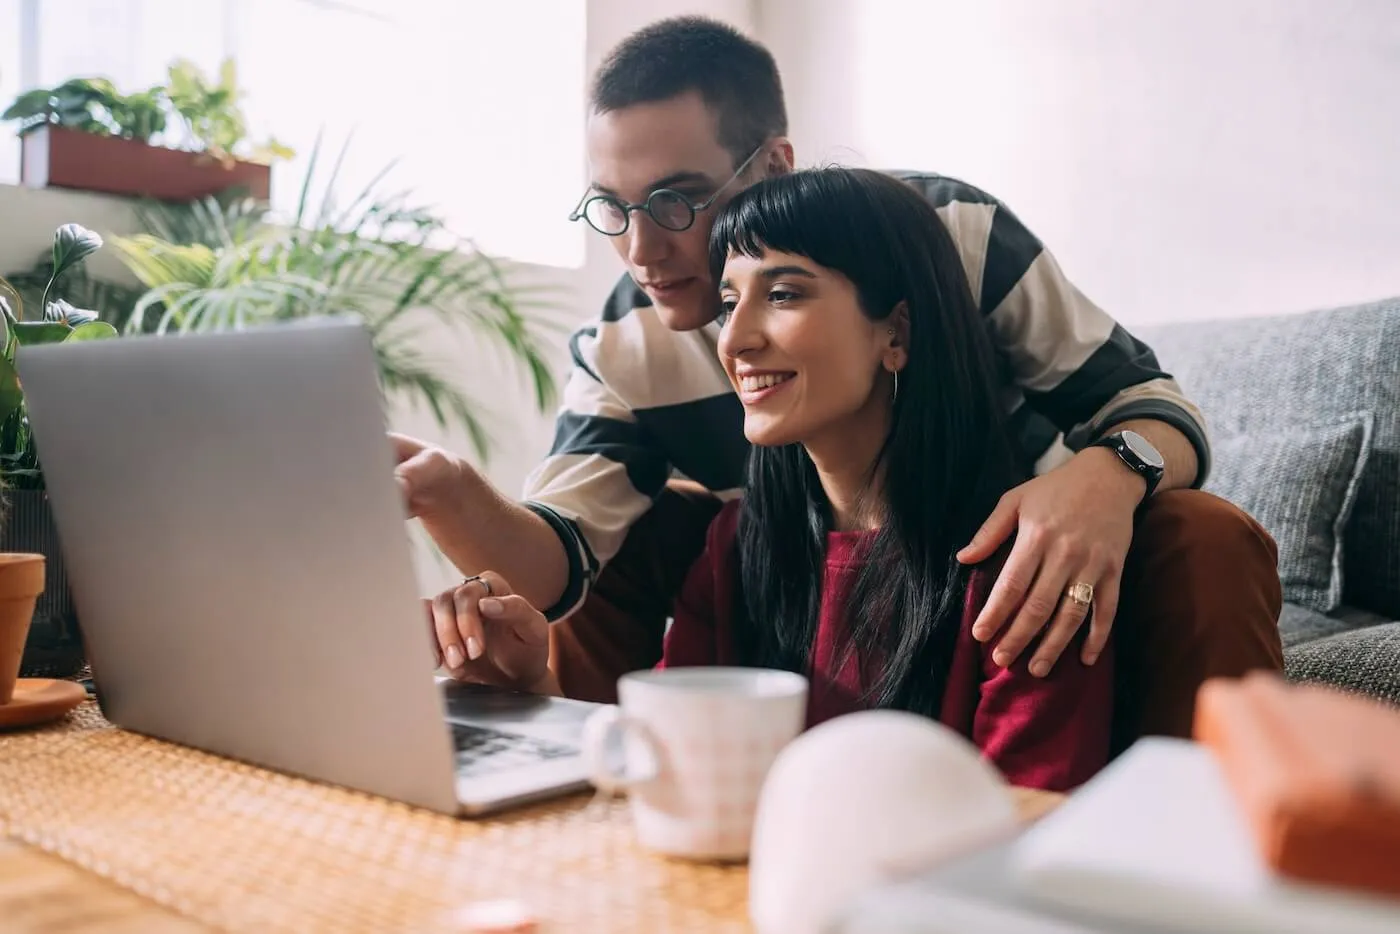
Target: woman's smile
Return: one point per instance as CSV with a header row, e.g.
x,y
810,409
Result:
x,y
756,386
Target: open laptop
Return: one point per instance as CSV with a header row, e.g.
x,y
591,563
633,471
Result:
x,y
237,550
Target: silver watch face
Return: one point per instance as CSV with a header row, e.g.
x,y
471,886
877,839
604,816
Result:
x,y
1144,449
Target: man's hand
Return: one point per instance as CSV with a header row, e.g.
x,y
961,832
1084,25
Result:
x,y
429,477
484,632
1073,525
474,525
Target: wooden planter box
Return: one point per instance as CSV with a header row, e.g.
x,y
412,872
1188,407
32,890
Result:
x,y
55,157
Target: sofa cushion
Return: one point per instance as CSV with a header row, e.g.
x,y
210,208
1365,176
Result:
x,y
1366,661
1300,483
1298,625
1251,375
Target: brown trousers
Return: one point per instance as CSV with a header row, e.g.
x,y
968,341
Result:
x,y
1200,599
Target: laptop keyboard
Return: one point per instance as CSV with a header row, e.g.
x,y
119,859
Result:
x,y
480,750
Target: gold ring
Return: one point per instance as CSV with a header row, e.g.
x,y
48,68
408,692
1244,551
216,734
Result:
x,y
478,579
1081,593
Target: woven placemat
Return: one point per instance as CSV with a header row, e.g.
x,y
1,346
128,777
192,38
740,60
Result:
x,y
244,849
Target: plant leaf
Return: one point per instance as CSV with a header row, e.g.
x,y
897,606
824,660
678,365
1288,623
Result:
x,y
64,313
91,331
71,244
33,103
11,305
40,332
228,77
56,310
11,396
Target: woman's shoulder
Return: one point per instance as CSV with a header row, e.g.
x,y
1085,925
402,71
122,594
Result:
x,y
724,527
980,580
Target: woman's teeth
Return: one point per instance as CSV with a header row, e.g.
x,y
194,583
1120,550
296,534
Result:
x,y
755,383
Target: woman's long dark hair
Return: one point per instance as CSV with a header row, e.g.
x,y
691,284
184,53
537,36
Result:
x,y
946,460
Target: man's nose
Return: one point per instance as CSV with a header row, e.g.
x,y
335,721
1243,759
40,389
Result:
x,y
647,242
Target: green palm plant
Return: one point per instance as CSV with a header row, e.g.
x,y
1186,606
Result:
x,y
221,266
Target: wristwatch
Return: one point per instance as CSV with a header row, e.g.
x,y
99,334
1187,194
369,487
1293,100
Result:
x,y
1138,454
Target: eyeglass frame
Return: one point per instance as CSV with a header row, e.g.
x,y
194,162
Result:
x,y
580,211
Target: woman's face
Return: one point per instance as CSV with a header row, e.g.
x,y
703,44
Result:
x,y
805,360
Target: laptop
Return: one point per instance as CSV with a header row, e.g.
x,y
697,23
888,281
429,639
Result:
x,y
237,549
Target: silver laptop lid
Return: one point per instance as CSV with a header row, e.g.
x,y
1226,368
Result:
x,y
237,550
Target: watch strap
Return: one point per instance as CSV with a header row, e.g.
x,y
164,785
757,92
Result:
x,y
1150,473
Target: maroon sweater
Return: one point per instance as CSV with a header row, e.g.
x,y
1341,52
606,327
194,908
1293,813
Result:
x,y
1050,732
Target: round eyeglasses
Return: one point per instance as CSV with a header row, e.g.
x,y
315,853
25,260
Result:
x,y
611,216
668,209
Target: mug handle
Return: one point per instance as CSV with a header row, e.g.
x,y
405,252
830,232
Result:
x,y
598,733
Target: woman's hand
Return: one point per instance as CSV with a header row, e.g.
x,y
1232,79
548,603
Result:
x,y
484,632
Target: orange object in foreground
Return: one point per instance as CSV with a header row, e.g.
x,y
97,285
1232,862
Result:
x,y
1317,773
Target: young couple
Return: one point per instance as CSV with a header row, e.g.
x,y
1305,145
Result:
x,y
959,463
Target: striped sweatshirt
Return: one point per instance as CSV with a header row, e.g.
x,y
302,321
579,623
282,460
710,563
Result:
x,y
643,403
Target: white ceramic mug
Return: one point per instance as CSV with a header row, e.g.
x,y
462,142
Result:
x,y
698,743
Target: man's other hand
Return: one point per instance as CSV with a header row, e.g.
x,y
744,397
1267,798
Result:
x,y
1073,525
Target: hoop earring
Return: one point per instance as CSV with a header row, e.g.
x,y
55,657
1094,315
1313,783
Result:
x,y
895,398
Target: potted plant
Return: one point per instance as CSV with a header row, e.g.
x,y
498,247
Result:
x,y
54,644
85,134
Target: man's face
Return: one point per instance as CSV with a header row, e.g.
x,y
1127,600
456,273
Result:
x,y
669,144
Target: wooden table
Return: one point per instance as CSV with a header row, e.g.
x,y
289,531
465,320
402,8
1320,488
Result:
x,y
42,894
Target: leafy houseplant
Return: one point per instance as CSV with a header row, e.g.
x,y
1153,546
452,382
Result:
x,y
19,465
91,105
86,134
211,266
54,646
112,301
212,116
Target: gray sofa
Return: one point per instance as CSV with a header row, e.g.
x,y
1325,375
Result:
x,y
1304,416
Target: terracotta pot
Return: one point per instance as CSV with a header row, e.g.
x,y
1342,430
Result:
x,y
55,645
21,582
55,157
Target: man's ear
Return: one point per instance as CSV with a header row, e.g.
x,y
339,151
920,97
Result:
x,y
897,335
780,158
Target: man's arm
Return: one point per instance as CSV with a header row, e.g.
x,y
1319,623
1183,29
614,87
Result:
x,y
1085,375
1177,451
1081,373
478,528
603,472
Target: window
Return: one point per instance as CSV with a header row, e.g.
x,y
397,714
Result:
x,y
480,106
10,84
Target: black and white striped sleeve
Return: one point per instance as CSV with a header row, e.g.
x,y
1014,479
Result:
x,y
1074,364
603,472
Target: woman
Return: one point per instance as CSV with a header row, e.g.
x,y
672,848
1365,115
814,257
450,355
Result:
x,y
866,375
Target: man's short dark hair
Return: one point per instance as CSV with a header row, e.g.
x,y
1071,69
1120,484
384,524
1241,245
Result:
x,y
735,76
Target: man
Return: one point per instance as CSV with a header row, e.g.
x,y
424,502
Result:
x,y
686,113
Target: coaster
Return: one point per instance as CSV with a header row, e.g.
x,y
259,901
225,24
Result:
x,y
39,700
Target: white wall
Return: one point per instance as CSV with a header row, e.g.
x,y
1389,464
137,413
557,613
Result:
x,y
1184,160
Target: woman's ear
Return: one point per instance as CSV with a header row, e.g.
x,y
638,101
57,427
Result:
x,y
897,338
